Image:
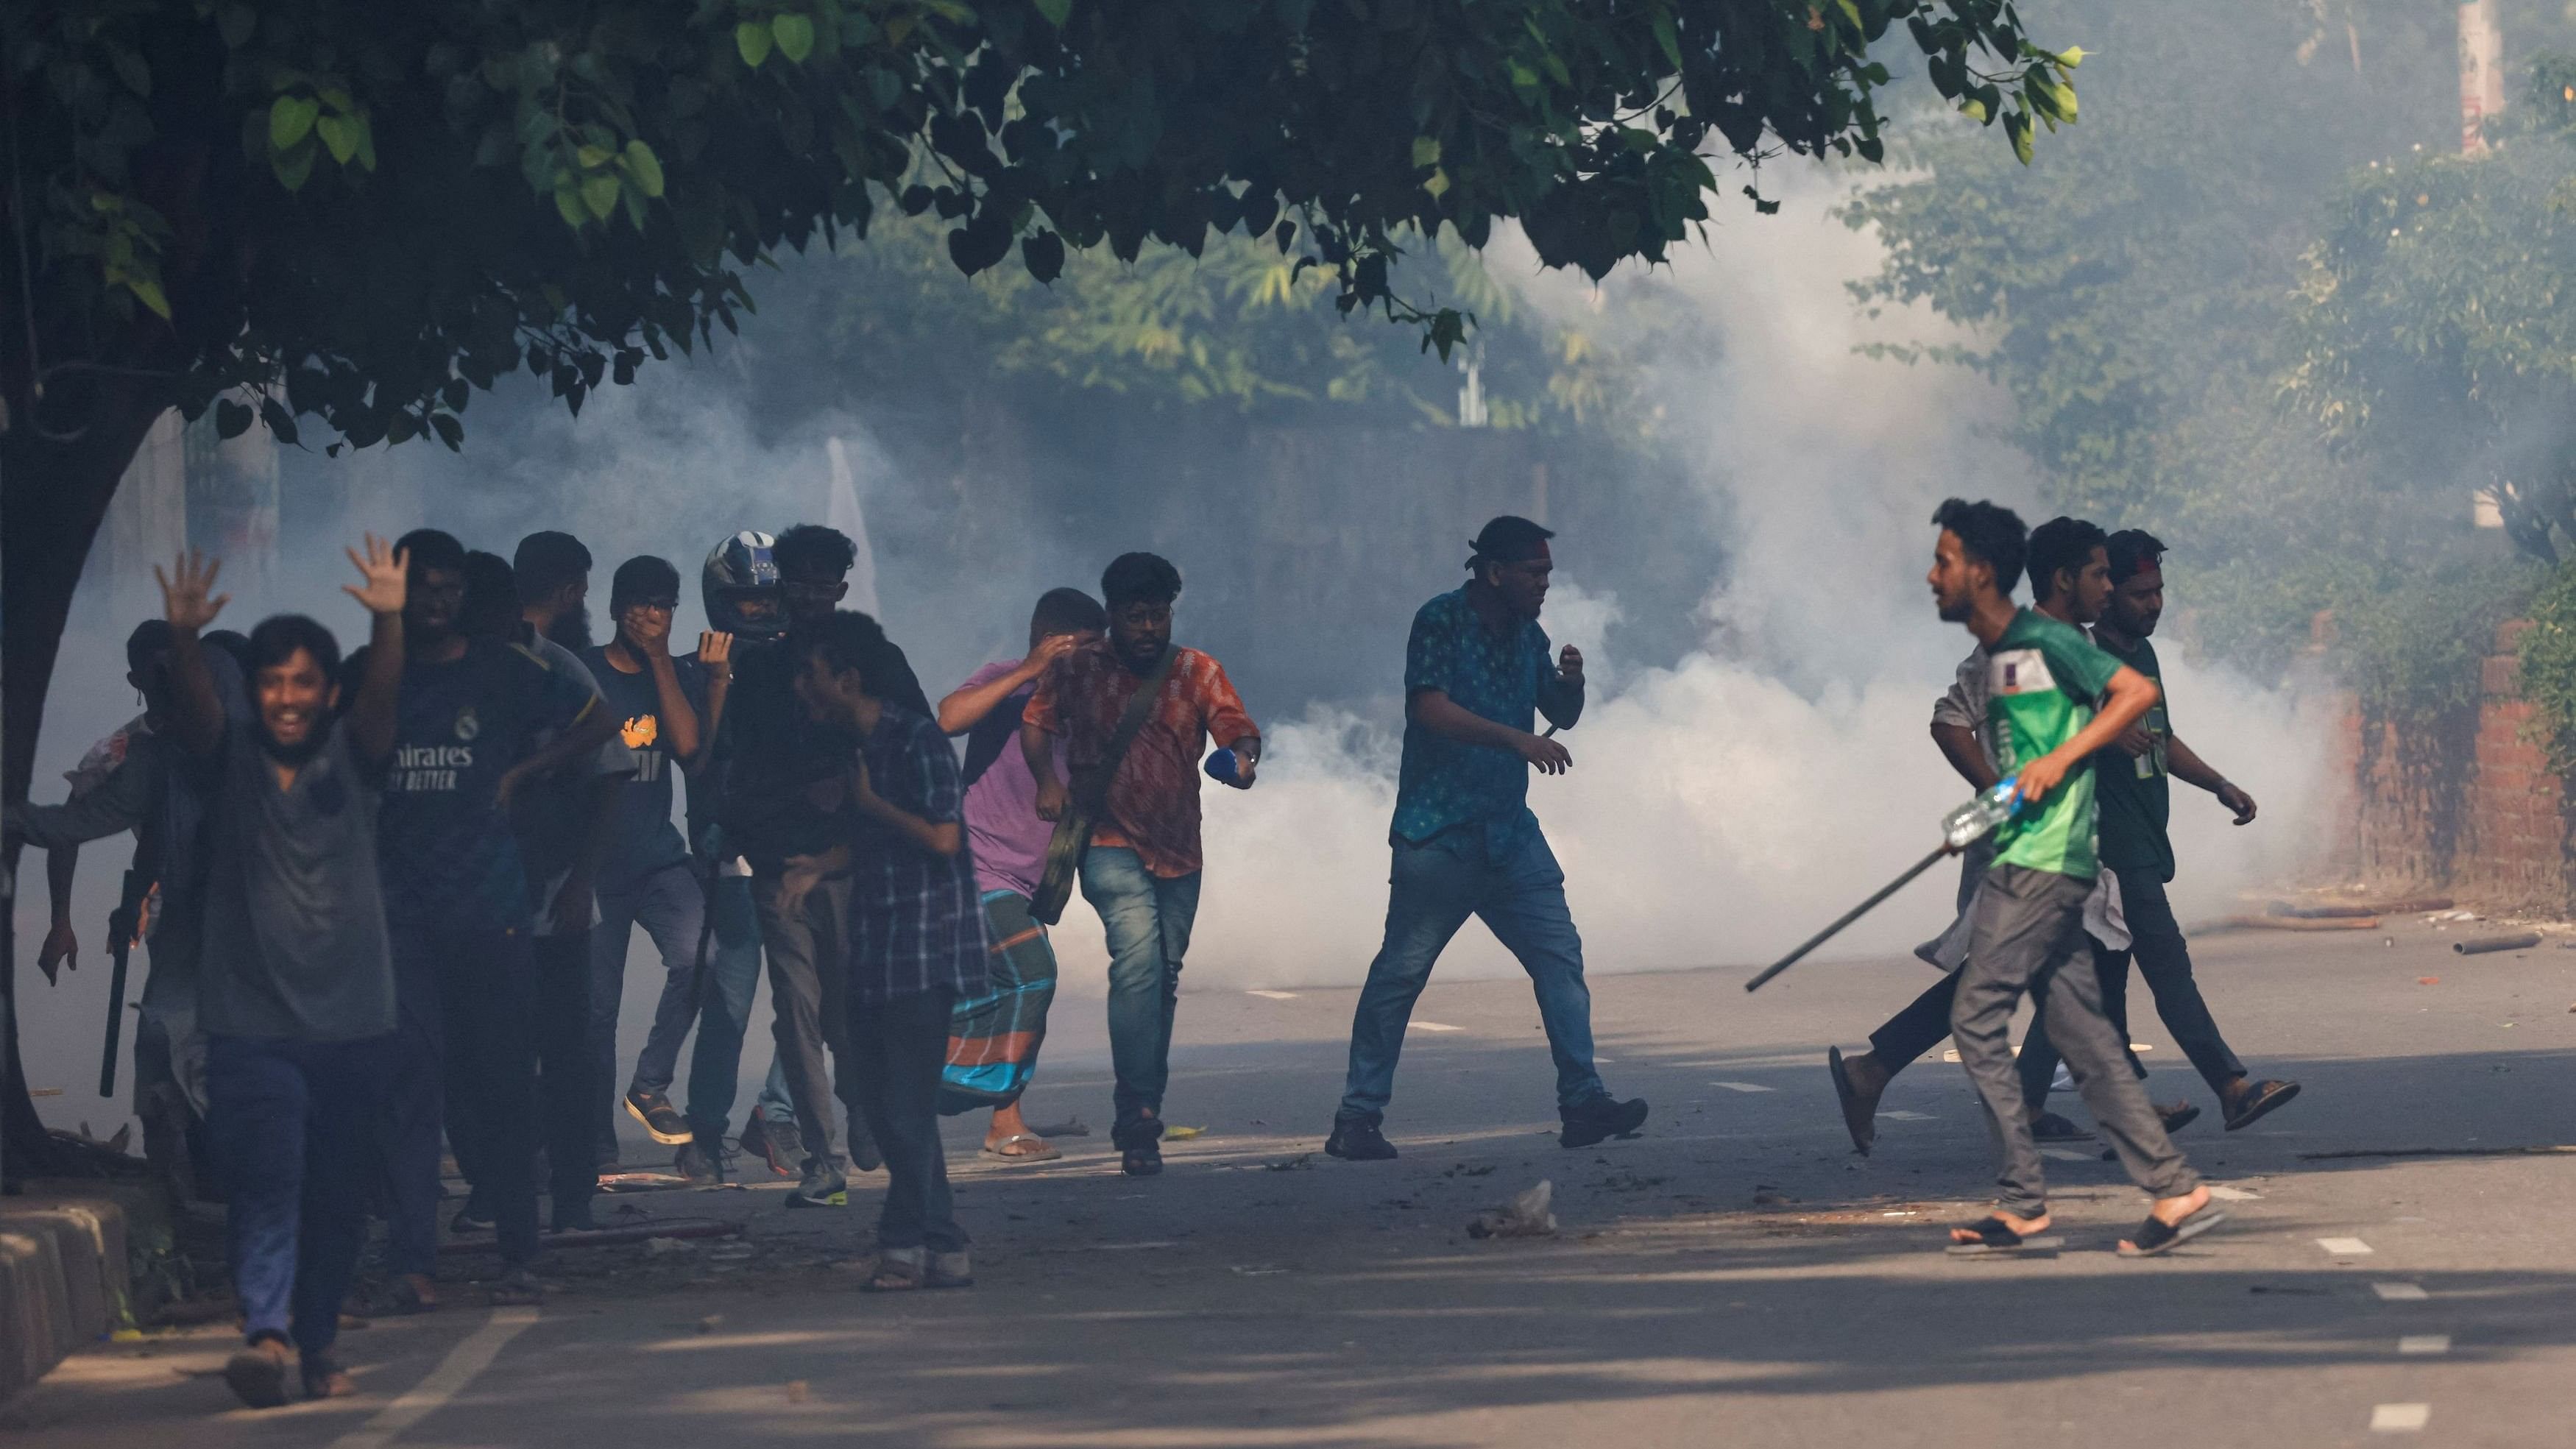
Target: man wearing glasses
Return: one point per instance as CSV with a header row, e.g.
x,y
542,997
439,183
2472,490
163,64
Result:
x,y
1476,675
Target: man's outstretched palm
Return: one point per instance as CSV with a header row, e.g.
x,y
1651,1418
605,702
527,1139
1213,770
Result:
x,y
184,591
387,574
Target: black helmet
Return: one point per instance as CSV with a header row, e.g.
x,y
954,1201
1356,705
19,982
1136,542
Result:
x,y
740,569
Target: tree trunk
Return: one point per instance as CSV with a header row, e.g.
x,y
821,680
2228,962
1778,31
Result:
x,y
54,493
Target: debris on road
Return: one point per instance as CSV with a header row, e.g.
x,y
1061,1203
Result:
x,y
2302,923
2483,945
1526,1216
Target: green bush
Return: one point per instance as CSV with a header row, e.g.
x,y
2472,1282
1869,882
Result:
x,y
2549,664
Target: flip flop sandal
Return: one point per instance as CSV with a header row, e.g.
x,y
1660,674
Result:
x,y
2261,1100
2049,1127
899,1271
1997,1240
1860,1118
1044,1150
2155,1237
2179,1118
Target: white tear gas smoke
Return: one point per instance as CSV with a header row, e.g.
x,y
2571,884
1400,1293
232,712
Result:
x,y
1722,805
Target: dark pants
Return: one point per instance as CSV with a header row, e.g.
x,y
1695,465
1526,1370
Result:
x,y
2030,940
1147,920
671,907
288,1126
897,1048
1432,890
466,1054
2164,959
1918,1028
809,973
567,1078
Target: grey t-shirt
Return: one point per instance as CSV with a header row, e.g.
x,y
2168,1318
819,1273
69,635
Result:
x,y
294,941
552,815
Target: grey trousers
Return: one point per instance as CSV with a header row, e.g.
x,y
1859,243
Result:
x,y
809,974
2029,927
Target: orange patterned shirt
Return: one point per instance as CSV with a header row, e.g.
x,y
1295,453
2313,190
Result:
x,y
1154,801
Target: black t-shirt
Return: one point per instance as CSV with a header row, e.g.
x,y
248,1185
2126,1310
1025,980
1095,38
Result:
x,y
645,840
771,749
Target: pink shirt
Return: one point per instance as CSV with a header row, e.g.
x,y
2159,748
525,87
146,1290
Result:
x,y
1002,825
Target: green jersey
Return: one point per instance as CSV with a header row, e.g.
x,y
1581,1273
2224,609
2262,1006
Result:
x,y
2042,679
2135,791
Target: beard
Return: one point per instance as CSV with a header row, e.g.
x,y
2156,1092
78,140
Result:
x,y
571,629
296,755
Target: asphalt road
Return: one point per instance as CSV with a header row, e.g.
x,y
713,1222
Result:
x,y
1736,1276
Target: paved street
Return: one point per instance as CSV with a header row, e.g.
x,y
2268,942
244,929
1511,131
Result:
x,y
1734,1277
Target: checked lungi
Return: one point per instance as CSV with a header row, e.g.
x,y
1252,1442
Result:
x,y
993,1038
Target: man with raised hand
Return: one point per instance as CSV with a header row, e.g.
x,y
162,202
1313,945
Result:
x,y
295,976
1476,674
2027,924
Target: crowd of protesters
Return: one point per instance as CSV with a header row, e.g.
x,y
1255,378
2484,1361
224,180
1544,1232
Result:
x,y
390,899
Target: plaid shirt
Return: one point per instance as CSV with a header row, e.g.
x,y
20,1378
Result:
x,y
916,919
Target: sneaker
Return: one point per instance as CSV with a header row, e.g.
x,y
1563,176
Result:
x,y
701,1167
1590,1122
653,1108
1357,1139
777,1143
325,1379
823,1186
257,1374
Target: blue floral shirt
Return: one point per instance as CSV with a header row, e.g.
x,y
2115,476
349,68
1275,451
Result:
x,y
1445,786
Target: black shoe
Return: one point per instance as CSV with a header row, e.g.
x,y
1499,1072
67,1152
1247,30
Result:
x,y
823,1186
1589,1122
864,1155
2050,1127
777,1143
1357,1139
653,1108
701,1167
470,1219
1144,1161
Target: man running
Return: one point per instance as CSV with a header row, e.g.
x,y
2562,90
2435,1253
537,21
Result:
x,y
2136,803
1141,872
1476,674
2070,578
296,981
994,1042
2043,677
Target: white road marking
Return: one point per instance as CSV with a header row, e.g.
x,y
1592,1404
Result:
x,y
2233,1194
2344,1247
1436,1026
2424,1343
2400,1292
2065,1154
445,1382
1906,1116
1951,1055
1744,1086
2400,1418
1273,995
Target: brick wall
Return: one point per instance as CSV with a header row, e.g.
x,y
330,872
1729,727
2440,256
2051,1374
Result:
x,y
2467,804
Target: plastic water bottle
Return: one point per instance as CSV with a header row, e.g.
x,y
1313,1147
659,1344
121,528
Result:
x,y
1220,766
1978,818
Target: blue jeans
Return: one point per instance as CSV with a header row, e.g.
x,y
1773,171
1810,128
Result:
x,y
671,908
287,1121
724,1010
1147,918
1432,890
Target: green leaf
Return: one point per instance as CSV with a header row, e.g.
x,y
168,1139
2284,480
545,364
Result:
x,y
753,39
1426,150
147,290
294,167
366,141
339,136
645,167
1975,110
568,202
1668,38
290,119
599,193
2072,55
1055,11
592,157
795,36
